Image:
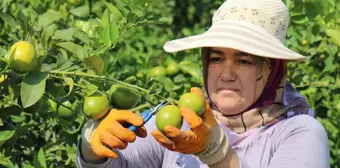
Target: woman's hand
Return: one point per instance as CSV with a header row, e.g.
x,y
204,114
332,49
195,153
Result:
x,y
111,132
204,139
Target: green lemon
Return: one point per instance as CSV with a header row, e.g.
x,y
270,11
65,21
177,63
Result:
x,y
78,23
89,27
96,105
123,98
169,115
158,71
140,74
66,110
23,57
172,68
192,101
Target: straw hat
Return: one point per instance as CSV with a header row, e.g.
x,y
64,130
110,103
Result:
x,y
255,26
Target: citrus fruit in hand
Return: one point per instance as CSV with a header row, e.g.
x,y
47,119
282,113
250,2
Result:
x,y
123,98
192,101
172,68
158,71
169,115
23,57
66,110
96,105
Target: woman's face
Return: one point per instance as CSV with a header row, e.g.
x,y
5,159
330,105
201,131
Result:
x,y
234,80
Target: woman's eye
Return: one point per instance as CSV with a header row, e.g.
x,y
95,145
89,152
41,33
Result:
x,y
245,62
215,59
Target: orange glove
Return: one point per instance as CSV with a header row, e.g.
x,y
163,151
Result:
x,y
111,132
205,139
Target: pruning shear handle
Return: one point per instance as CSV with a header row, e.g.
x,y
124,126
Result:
x,y
147,114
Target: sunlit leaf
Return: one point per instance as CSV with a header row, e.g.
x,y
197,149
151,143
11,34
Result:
x,y
82,11
70,84
41,158
335,35
117,15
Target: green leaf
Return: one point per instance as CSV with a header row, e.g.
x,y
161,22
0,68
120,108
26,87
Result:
x,y
329,66
82,11
82,36
18,119
105,21
6,135
3,64
32,88
106,37
96,64
131,17
335,35
3,52
78,50
64,35
193,70
47,33
63,11
111,34
70,83
9,20
167,82
114,31
41,158
117,15
48,18
179,78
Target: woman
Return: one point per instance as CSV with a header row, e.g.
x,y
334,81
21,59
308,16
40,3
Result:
x,y
253,117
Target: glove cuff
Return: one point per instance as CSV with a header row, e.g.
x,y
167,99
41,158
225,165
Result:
x,y
216,149
85,149
87,131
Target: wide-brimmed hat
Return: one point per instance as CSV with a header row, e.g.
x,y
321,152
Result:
x,y
254,26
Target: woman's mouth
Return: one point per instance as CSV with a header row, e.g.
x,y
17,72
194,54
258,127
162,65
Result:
x,y
228,89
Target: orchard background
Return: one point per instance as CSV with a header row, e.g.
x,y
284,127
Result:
x,y
85,47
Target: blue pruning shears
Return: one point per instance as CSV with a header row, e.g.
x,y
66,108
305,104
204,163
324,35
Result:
x,y
147,114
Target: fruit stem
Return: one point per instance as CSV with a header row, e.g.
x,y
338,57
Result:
x,y
139,89
142,106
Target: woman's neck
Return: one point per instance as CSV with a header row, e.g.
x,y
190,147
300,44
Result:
x,y
250,119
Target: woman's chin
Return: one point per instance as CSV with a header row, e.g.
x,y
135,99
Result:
x,y
230,108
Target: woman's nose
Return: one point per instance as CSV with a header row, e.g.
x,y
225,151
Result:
x,y
228,72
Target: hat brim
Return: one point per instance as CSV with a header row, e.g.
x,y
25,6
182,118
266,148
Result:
x,y
238,35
